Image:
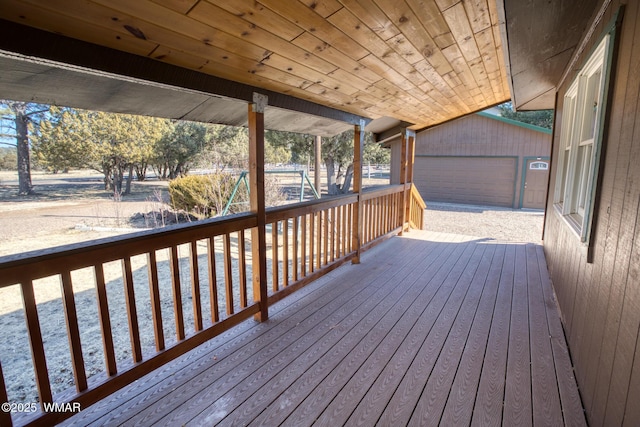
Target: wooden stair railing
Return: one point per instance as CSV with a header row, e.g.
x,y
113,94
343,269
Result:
x,y
416,209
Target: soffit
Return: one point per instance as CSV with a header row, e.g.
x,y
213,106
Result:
x,y
541,38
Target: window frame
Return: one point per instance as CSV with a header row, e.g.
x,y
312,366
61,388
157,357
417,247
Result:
x,y
579,153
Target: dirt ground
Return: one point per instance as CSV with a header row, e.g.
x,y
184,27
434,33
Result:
x,y
74,207
66,209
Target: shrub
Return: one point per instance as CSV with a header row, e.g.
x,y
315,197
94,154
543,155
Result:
x,y
8,159
206,195
203,195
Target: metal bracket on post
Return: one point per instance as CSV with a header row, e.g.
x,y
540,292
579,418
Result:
x,y
260,102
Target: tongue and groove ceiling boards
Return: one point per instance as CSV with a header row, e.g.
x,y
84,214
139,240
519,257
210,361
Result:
x,y
417,62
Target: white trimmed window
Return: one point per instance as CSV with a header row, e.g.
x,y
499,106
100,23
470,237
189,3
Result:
x,y
580,142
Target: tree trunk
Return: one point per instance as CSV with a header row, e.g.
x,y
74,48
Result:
x,y
127,189
347,179
141,171
332,188
22,142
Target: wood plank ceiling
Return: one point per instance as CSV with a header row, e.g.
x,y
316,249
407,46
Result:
x,y
418,61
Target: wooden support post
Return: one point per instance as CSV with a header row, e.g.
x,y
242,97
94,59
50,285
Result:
x,y
411,139
403,178
318,164
257,203
358,148
411,155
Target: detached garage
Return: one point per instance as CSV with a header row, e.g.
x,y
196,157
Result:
x,y
481,159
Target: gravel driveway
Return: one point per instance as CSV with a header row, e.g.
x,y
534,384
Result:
x,y
512,225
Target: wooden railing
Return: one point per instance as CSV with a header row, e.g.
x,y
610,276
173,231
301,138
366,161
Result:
x,y
172,289
307,241
416,209
382,210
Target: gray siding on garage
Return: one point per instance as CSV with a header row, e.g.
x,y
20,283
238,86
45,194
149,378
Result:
x,y
476,180
491,152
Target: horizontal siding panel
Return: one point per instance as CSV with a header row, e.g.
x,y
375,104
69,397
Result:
x,y
476,180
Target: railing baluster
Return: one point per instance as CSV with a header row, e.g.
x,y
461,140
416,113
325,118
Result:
x,y
341,226
294,242
319,241
132,313
349,231
392,212
5,416
228,271
365,206
105,321
213,280
35,339
398,213
381,205
195,286
312,242
373,219
381,201
174,263
285,253
303,246
389,213
335,233
274,256
344,248
73,332
154,293
325,213
368,220
242,269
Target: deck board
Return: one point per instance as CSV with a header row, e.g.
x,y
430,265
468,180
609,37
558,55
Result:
x,y
429,329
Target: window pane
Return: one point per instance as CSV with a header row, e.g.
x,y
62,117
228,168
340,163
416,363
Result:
x,y
583,165
592,98
565,169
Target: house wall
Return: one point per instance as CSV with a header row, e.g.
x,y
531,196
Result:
x,y
478,137
600,301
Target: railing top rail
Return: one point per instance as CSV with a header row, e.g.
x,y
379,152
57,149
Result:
x,y
290,211
418,197
370,193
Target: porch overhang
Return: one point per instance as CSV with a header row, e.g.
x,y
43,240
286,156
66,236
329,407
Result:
x,y
410,62
56,70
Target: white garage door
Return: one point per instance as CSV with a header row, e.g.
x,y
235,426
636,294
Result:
x,y
473,180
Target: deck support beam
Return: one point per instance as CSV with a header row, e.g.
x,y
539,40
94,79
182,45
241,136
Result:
x,y
358,148
257,204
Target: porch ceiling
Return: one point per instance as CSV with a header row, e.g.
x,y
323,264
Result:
x,y
420,62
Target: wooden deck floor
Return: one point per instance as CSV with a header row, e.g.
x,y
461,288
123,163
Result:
x,y
429,329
